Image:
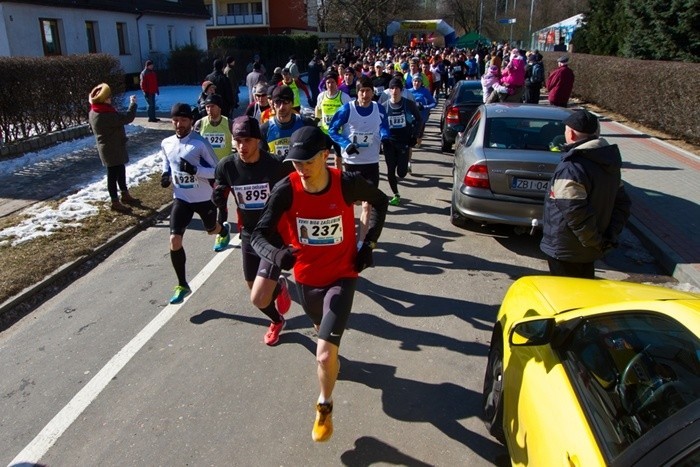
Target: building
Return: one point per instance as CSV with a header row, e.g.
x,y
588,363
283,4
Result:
x,y
235,17
133,30
556,37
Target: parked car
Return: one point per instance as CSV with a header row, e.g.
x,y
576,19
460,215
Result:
x,y
595,373
458,108
503,163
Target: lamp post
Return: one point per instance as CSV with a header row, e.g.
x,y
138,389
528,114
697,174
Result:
x,y
529,29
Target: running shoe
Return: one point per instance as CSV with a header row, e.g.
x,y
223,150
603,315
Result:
x,y
323,426
272,336
395,200
283,301
180,294
221,243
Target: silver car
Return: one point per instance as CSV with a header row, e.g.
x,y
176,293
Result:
x,y
503,163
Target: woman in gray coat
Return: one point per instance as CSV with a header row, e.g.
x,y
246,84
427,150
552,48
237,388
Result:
x,y
108,127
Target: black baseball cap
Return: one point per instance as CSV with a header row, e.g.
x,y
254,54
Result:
x,y
306,142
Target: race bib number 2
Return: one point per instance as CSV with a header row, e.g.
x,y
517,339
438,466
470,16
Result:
x,y
363,140
320,232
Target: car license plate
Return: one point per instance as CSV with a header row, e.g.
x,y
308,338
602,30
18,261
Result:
x,y
527,184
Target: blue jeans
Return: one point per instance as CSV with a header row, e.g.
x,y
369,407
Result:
x,y
151,101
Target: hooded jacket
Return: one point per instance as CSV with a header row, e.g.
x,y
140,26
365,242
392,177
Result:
x,y
587,206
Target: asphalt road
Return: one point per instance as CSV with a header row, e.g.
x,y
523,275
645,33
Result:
x,y
197,386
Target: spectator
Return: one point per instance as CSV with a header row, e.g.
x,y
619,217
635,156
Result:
x,y
149,86
208,88
534,78
252,79
314,78
560,83
587,206
230,74
292,66
223,86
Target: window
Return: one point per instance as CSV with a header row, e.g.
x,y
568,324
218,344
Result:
x,y
151,38
122,39
631,372
237,9
256,8
171,32
91,33
50,36
209,10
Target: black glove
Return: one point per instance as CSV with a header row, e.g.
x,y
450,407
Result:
x,y
413,141
187,167
285,259
165,180
219,196
364,259
387,144
352,149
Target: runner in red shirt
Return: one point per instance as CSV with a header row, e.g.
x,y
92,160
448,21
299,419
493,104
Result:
x,y
313,211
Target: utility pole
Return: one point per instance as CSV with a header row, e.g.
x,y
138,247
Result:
x,y
529,30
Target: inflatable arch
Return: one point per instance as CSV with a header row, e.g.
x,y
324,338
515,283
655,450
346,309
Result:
x,y
433,25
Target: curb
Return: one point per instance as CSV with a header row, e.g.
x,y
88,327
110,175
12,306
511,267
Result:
x,y
669,259
69,268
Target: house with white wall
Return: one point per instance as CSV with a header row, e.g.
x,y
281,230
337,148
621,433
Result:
x,y
133,30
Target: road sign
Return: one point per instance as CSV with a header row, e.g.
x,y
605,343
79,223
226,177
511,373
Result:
x,y
507,21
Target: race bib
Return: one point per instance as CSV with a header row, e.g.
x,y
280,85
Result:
x,y
378,90
327,119
252,196
216,140
458,69
281,147
363,140
320,232
397,121
185,180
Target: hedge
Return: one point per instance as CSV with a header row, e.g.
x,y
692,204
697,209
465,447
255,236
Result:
x,y
46,94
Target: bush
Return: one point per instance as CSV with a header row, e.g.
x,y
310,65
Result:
x,y
44,94
657,94
187,65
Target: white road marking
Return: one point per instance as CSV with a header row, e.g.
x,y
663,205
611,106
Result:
x,y
40,445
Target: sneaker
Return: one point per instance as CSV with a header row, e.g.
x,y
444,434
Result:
x,y
221,243
272,336
395,200
283,301
323,426
180,294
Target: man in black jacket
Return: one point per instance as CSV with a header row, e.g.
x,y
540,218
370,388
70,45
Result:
x,y
223,86
587,206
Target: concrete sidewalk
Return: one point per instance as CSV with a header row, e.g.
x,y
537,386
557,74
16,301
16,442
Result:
x,y
664,184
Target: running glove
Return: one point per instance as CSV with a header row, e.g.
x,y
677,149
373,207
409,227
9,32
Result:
x,y
187,167
219,196
364,260
352,149
285,259
165,180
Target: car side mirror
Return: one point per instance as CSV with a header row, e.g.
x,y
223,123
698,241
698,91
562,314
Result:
x,y
532,331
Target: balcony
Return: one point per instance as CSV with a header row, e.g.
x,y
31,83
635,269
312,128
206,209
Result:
x,y
236,20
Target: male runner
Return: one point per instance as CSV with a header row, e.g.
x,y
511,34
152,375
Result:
x,y
188,162
313,209
278,129
329,101
250,175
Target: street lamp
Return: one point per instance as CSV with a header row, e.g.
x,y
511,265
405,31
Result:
x,y
529,30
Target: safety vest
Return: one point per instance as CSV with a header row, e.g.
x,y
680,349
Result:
x,y
219,136
293,86
329,106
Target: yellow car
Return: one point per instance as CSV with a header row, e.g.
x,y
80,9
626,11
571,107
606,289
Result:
x,y
595,372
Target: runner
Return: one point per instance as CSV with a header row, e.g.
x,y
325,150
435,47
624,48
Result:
x,y
188,162
329,101
359,127
278,129
250,175
317,203
404,124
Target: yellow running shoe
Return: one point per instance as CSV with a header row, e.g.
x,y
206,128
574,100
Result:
x,y
323,426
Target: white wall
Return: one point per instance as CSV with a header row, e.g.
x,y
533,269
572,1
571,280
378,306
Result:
x,y
22,29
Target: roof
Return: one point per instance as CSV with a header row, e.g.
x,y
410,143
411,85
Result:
x,y
189,8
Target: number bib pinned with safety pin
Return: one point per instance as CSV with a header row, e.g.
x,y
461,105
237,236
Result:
x,y
185,180
320,232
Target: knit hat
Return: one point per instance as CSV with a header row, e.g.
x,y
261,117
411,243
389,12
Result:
x,y
306,142
214,99
395,83
582,121
331,74
283,93
181,110
416,77
100,94
246,126
206,84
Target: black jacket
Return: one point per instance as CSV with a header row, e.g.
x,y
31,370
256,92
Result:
x,y
587,206
223,88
